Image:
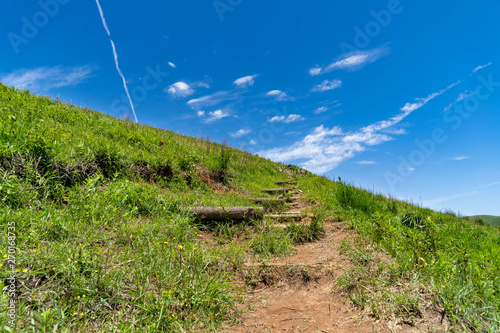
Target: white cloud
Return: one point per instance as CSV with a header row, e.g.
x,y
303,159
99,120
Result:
x,y
352,61
395,131
213,99
278,95
366,162
216,115
200,84
491,184
451,197
327,85
277,119
47,78
460,98
253,142
324,149
320,110
241,132
179,90
115,56
290,119
315,71
384,125
460,158
171,64
410,107
246,81
200,113
478,68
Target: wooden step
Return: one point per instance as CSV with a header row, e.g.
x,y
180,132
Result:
x,y
286,182
287,216
277,190
204,213
268,200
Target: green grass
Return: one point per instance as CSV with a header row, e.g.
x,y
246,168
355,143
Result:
x,y
449,259
103,241
493,220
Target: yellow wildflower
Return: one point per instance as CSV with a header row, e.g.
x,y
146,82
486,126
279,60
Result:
x,y
180,247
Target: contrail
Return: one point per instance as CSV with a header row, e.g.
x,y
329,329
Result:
x,y
116,59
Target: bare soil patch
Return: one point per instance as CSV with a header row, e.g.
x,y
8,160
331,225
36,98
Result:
x,y
297,293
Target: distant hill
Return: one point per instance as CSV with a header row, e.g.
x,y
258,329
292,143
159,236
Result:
x,y
493,220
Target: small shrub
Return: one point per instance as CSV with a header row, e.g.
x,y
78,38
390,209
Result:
x,y
412,219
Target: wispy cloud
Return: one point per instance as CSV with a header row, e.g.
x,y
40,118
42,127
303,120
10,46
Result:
x,y
352,61
179,90
324,149
320,110
115,55
216,115
451,197
327,85
460,158
213,99
253,142
246,81
419,102
489,185
395,131
290,119
46,78
478,68
366,162
406,110
240,133
278,95
461,97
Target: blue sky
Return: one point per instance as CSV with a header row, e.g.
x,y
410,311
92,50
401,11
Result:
x,y
400,97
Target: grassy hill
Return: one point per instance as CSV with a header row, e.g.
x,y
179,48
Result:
x,y
97,237
493,220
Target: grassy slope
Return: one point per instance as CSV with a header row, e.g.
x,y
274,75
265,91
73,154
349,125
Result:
x,y
493,220
104,243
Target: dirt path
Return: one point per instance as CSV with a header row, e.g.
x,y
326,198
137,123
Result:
x,y
297,293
